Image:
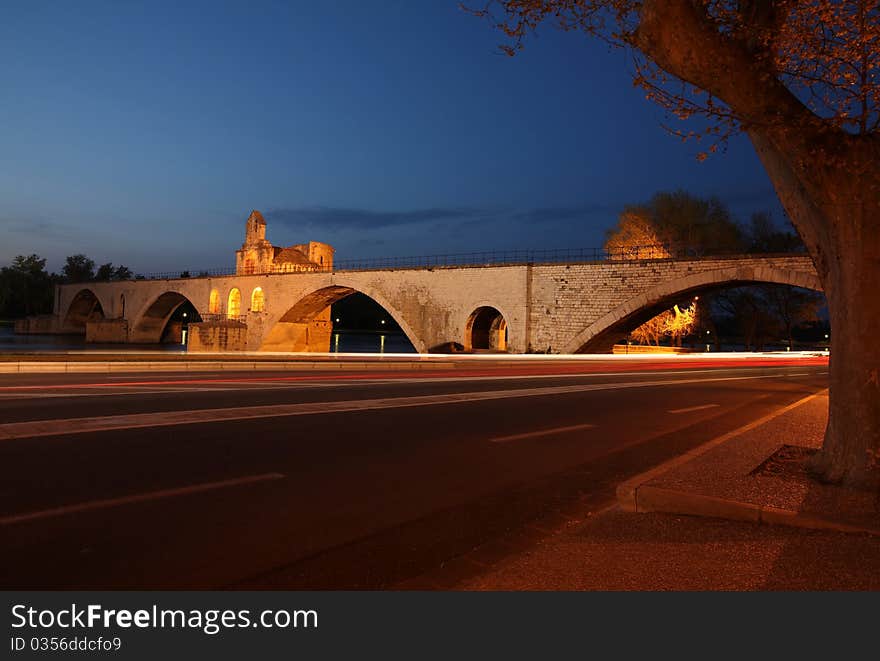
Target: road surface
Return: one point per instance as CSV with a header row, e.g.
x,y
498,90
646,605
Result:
x,y
337,478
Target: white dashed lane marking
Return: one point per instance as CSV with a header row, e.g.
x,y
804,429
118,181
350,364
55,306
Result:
x,y
136,498
540,432
691,409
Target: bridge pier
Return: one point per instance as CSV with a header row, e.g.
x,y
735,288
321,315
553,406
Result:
x,y
107,331
217,336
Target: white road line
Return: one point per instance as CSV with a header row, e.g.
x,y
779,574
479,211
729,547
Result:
x,y
540,432
690,409
136,498
34,428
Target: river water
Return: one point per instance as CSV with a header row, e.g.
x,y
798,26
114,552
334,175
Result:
x,y
340,342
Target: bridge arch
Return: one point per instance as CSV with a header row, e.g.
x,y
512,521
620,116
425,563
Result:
x,y
485,330
153,322
305,323
601,335
84,307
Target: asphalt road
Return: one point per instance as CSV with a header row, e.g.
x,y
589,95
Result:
x,y
336,479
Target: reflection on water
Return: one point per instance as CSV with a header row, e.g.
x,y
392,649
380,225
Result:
x,y
354,342
342,342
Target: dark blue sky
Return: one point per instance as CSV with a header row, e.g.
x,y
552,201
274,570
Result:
x,y
144,133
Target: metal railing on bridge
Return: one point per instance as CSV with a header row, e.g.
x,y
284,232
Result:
x,y
210,316
470,259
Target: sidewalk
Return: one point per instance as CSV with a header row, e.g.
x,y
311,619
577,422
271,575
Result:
x,y
721,517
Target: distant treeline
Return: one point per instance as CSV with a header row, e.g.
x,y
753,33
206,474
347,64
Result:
x,y
26,286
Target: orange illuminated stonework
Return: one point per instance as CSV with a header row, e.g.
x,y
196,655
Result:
x,y
257,255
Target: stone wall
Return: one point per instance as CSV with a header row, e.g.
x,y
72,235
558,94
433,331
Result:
x,y
107,331
217,336
43,324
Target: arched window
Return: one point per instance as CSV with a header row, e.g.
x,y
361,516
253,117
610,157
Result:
x,y
214,302
258,300
233,305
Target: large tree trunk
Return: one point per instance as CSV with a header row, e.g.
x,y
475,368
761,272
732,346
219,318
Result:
x,y
851,451
829,183
838,217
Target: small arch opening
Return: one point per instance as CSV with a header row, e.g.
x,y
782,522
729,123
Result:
x,y
233,304
486,330
258,300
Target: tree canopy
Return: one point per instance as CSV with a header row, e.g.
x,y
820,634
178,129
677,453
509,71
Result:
x,y
26,287
675,224
819,60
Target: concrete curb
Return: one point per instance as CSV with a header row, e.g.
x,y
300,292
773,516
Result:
x,y
657,499
638,495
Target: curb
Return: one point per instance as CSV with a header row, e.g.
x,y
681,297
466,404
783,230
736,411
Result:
x,y
627,492
657,499
637,495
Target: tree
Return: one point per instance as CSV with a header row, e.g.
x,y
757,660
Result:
x,y
635,237
78,268
109,272
682,322
763,236
652,330
25,287
791,306
104,272
674,324
122,273
802,79
674,224
747,309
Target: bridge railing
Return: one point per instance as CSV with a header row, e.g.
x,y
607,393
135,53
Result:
x,y
485,258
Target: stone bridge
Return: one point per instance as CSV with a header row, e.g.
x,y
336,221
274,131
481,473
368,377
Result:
x,y
563,308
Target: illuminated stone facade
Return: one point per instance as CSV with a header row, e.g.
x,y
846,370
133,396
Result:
x,y
257,255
